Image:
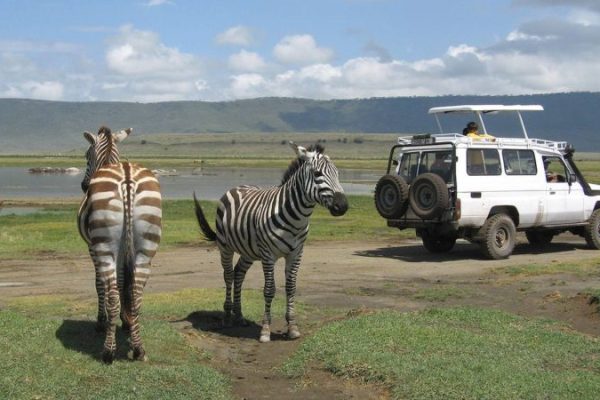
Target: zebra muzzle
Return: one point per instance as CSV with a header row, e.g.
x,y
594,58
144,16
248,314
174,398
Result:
x,y
339,206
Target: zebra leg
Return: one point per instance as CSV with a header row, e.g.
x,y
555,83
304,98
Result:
x,y
112,309
227,264
240,270
141,274
292,264
269,293
101,319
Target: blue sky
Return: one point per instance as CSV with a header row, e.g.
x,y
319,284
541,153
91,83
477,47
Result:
x,y
159,50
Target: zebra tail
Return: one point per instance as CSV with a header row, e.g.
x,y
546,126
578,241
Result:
x,y
129,259
207,231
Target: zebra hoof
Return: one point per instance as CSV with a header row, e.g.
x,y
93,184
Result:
x,y
265,338
265,335
108,356
293,332
140,355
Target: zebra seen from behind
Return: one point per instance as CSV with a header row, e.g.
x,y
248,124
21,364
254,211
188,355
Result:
x,y
267,224
120,220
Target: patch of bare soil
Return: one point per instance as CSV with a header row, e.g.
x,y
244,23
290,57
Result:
x,y
344,276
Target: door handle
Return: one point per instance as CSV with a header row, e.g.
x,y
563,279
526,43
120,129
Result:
x,y
552,192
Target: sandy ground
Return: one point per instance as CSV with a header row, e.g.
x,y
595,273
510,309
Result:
x,y
346,276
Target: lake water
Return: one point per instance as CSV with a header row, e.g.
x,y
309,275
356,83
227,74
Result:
x,y
210,184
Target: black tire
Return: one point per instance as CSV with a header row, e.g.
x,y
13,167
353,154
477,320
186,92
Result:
x,y
539,238
591,232
437,244
428,196
391,196
499,235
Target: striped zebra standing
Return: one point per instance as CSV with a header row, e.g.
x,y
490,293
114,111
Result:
x,y
267,224
120,220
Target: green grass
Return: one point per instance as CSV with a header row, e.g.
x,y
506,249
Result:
x,y
459,353
54,232
441,293
49,350
584,267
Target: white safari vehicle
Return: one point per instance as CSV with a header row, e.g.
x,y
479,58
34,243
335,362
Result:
x,y
485,189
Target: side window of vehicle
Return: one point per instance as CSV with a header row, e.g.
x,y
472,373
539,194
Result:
x,y
519,162
483,162
437,162
408,166
555,168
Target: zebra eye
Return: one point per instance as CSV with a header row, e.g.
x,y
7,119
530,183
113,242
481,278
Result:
x,y
317,173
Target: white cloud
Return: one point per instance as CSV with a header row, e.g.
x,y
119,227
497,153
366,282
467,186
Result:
x,y
47,90
246,61
301,49
141,53
247,85
143,68
236,35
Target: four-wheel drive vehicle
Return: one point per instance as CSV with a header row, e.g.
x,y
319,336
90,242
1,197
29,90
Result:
x,y
449,186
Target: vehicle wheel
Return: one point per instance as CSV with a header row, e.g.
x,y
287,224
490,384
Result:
x,y
498,237
428,196
437,243
539,238
391,195
591,231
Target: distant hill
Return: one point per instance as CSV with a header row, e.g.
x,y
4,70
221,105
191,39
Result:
x,y
30,126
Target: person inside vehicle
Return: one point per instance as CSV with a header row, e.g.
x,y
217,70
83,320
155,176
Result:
x,y
552,176
439,162
472,130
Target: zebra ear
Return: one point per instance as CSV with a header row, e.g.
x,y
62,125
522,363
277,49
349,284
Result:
x,y
122,135
301,152
90,137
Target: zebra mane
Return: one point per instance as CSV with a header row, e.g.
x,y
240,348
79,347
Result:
x,y
104,130
297,163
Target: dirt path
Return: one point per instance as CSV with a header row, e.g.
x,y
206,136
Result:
x,y
346,276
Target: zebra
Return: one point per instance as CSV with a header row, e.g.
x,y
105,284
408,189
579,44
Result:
x,y
120,220
267,224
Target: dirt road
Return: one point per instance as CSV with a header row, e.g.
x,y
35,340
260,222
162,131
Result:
x,y
342,275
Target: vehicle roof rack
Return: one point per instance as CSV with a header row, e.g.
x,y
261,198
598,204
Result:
x,y
560,146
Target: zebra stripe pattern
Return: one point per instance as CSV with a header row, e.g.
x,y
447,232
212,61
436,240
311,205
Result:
x,y
120,220
268,224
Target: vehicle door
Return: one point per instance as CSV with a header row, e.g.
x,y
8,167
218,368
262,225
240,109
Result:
x,y
523,186
564,199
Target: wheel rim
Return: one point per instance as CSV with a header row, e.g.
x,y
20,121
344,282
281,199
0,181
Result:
x,y
389,197
501,237
426,197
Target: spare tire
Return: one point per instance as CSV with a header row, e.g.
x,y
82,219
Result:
x,y
391,196
428,196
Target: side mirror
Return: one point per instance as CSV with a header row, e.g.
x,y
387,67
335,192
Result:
x,y
572,178
394,162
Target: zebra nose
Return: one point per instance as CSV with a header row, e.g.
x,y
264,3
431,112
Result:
x,y
339,205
